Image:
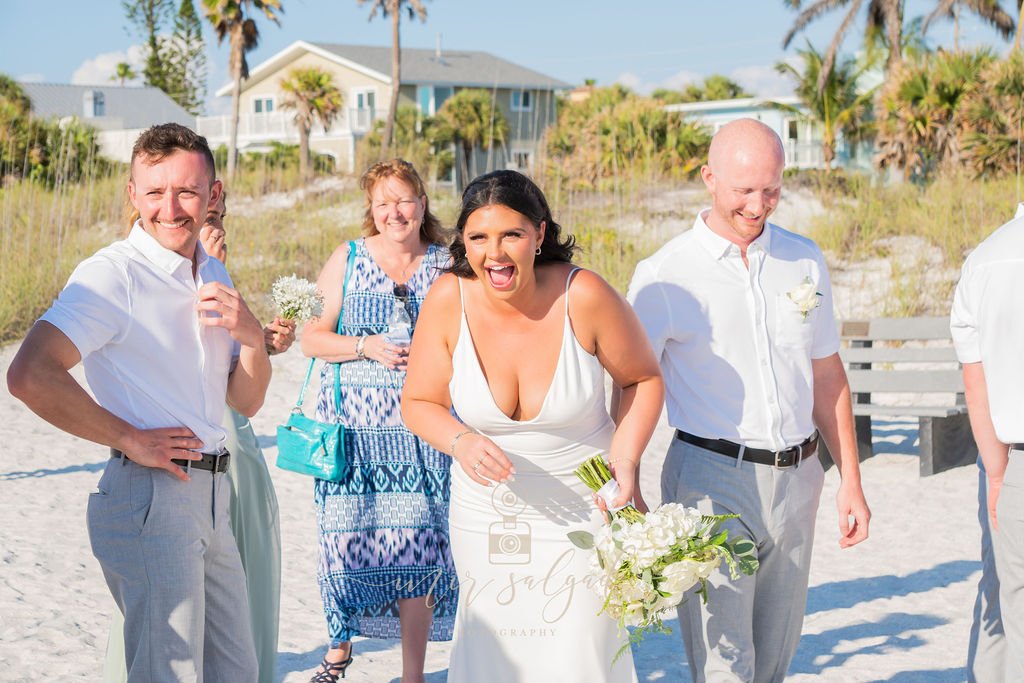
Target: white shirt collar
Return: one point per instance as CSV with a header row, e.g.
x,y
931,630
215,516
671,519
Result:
x,y
718,246
165,259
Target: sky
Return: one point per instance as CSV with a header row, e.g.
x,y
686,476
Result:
x,y
644,45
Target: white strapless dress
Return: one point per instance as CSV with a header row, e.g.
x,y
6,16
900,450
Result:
x,y
525,611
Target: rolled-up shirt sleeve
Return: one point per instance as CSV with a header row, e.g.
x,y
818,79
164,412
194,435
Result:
x,y
94,308
826,332
962,321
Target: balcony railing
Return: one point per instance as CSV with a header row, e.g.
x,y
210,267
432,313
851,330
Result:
x,y
804,154
279,125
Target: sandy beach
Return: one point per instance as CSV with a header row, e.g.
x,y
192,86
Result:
x,y
896,608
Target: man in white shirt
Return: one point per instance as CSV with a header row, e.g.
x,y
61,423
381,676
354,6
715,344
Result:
x,y
739,312
164,339
988,333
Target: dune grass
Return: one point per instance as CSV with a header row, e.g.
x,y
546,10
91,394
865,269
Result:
x,y
951,213
45,232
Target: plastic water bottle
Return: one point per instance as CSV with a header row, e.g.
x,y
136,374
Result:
x,y
399,326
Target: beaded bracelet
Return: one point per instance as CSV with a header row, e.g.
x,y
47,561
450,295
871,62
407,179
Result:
x,y
360,343
456,438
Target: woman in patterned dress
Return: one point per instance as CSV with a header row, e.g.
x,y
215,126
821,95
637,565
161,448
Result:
x,y
385,568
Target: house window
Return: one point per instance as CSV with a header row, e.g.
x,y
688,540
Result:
x,y
442,93
263,105
522,100
429,98
93,104
365,110
366,100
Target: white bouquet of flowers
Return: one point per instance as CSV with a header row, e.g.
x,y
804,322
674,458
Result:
x,y
643,565
296,298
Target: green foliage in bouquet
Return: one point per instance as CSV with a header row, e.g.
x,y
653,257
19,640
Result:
x,y
644,565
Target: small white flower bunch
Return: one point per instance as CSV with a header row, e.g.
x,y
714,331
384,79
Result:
x,y
805,296
296,298
643,565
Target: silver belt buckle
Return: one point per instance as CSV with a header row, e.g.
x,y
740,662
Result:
x,y
799,448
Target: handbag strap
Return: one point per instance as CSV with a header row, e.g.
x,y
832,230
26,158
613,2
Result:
x,y
337,366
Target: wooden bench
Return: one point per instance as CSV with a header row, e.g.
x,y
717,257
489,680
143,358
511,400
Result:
x,y
886,356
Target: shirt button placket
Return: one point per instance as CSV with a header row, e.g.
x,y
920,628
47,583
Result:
x,y
756,259
201,330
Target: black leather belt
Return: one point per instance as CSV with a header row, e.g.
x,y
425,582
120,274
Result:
x,y
212,462
787,458
1017,447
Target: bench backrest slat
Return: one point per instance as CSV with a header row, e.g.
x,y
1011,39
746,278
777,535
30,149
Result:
x,y
881,381
896,329
901,354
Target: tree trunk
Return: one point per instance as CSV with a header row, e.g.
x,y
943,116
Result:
x,y
396,82
1020,20
894,31
467,156
956,27
236,96
304,150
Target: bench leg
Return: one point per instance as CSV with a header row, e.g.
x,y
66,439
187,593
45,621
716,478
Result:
x,y
946,442
862,424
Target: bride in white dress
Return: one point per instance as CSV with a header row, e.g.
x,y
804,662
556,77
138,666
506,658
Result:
x,y
516,340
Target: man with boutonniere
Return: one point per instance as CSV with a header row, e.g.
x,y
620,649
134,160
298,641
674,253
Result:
x,y
165,341
739,312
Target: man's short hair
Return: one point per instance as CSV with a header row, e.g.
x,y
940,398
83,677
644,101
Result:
x,y
166,138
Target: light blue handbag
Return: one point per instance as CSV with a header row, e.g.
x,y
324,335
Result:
x,y
305,445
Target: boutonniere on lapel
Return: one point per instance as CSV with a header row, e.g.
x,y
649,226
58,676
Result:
x,y
805,297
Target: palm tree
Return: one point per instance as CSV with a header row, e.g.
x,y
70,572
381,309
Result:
x,y
883,17
921,121
838,107
393,9
994,143
13,94
123,72
475,120
988,10
311,93
714,87
230,19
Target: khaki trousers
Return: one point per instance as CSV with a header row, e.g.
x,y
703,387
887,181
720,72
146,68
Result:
x,y
986,650
171,563
750,628
1008,542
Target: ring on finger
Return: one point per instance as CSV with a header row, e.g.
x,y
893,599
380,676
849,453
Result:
x,y
477,464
